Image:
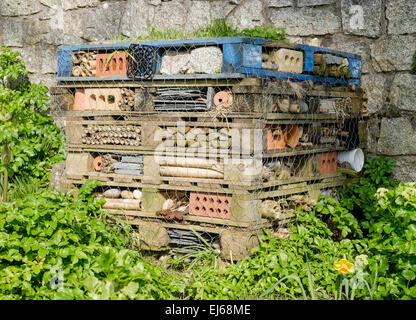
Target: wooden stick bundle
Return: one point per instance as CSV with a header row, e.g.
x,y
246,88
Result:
x,y
123,135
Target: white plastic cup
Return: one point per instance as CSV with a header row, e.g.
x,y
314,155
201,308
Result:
x,y
354,157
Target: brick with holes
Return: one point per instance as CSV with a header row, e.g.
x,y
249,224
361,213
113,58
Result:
x,y
102,99
209,205
113,67
329,163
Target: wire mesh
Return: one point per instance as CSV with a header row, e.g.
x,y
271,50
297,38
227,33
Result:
x,y
223,137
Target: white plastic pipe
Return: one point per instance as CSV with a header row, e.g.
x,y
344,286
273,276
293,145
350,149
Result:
x,y
354,157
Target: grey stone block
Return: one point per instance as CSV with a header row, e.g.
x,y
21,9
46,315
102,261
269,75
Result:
x,y
362,17
403,91
375,83
280,3
14,8
306,21
401,16
397,137
393,53
405,169
248,14
312,3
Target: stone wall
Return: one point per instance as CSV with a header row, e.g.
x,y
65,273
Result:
x,y
383,32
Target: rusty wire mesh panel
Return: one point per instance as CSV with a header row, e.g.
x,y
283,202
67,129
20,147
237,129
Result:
x,y
209,141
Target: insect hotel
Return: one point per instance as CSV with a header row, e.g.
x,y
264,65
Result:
x,y
210,141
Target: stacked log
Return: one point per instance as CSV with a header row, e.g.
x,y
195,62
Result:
x,y
112,134
191,168
125,200
198,138
84,63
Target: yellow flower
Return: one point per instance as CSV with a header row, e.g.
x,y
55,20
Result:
x,y
344,266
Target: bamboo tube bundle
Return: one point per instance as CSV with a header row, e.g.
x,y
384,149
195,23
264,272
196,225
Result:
x,y
329,135
128,99
121,135
107,163
304,140
84,63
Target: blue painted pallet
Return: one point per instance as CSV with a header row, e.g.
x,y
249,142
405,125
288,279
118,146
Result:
x,y
240,56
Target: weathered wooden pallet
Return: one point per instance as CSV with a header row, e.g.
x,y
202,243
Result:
x,y
240,56
251,95
189,219
203,118
288,152
208,185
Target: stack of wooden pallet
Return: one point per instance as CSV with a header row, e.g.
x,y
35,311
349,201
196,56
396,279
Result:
x,y
224,154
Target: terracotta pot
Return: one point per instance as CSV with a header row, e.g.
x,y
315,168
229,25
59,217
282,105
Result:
x,y
223,99
98,164
275,143
292,134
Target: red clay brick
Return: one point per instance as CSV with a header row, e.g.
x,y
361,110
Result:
x,y
79,100
329,163
117,66
209,205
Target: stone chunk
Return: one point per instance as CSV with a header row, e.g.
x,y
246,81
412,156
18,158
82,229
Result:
x,y
137,194
127,166
201,60
175,62
206,60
